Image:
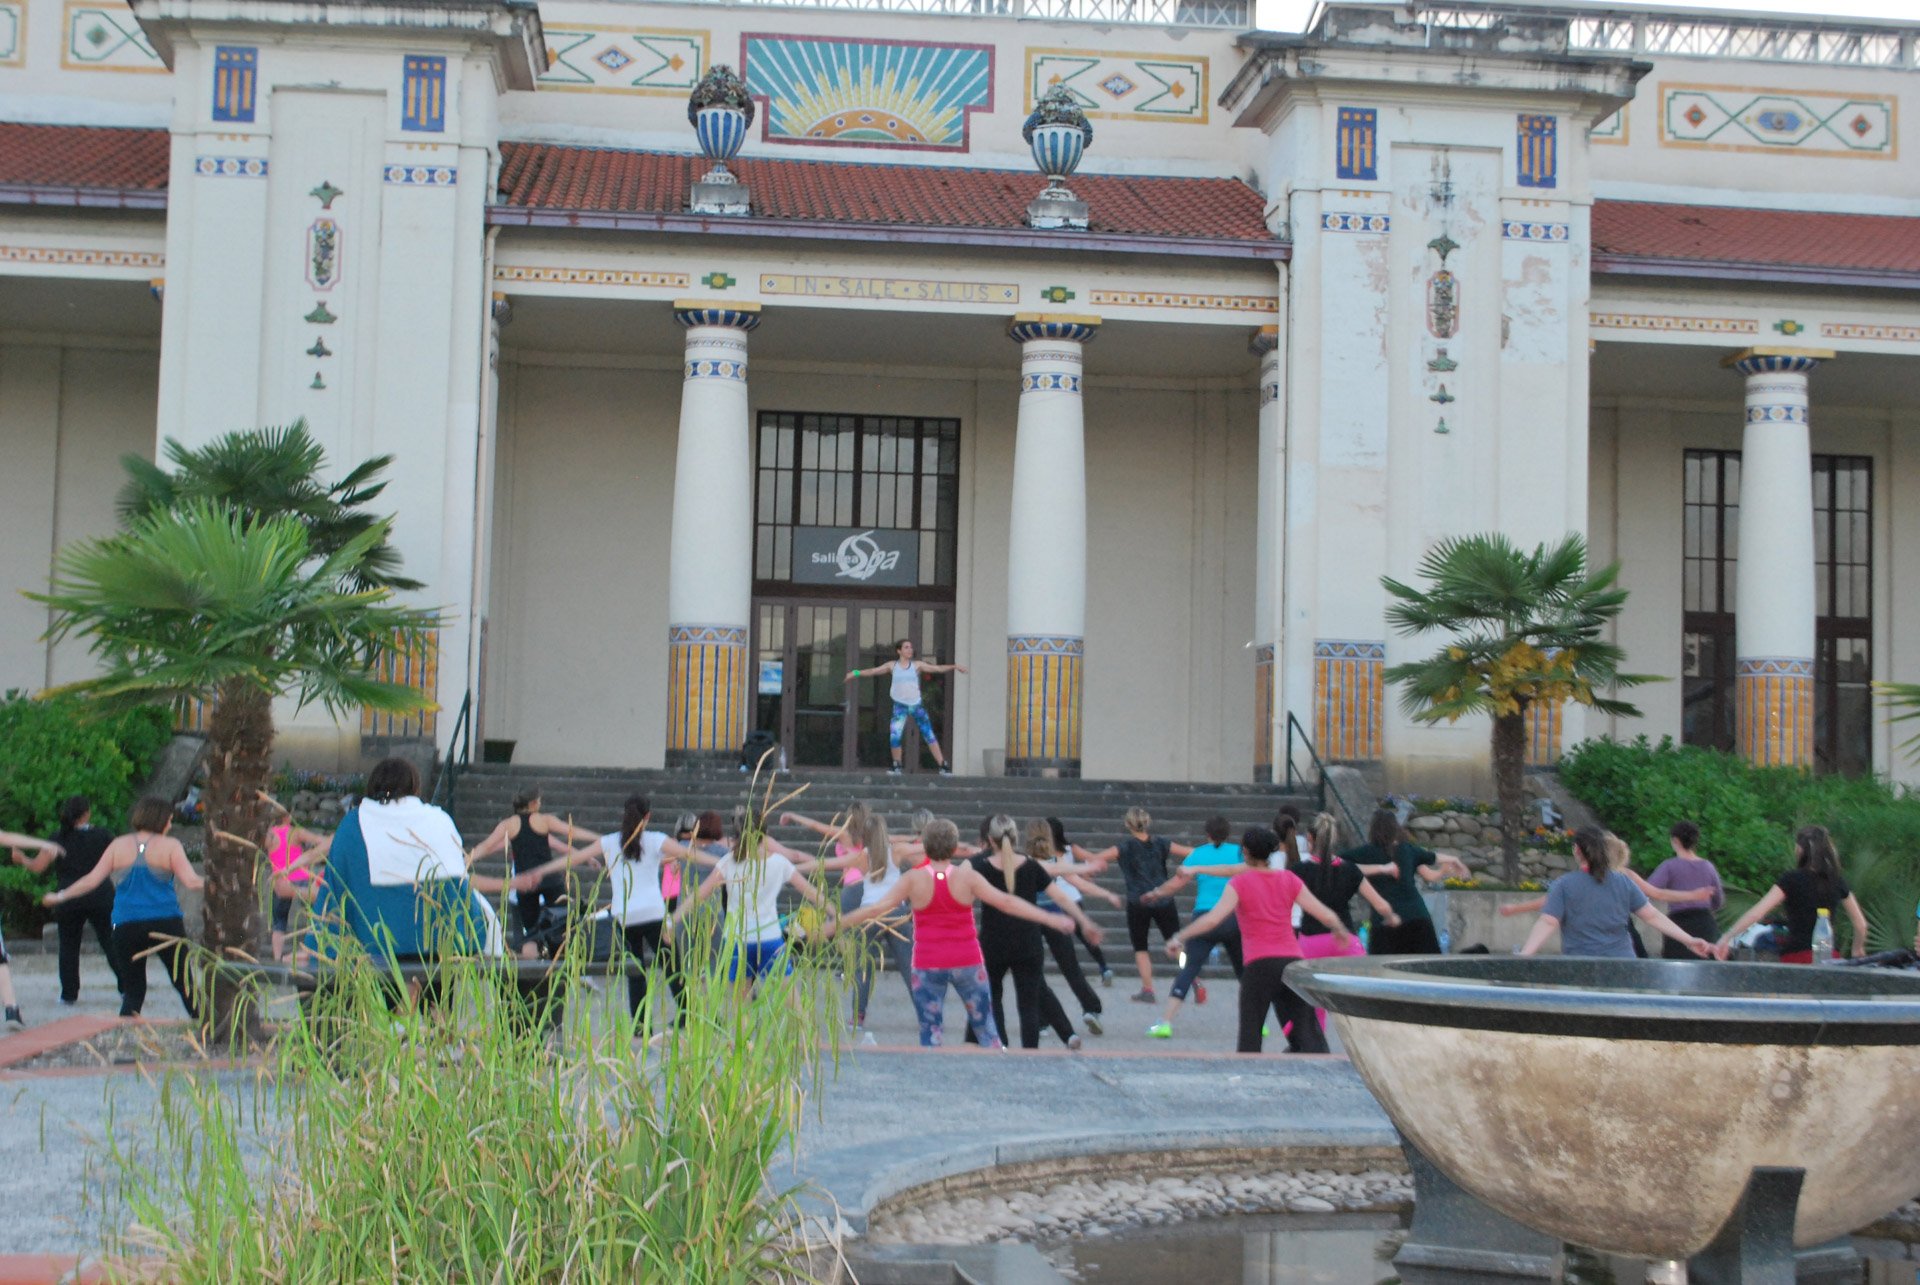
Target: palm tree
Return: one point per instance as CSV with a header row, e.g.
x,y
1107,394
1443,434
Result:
x,y
202,602
272,471
1526,628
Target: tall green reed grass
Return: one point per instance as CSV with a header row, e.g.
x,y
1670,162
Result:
x,y
467,1144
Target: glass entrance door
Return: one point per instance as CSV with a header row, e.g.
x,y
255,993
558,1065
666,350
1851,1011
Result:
x,y
804,651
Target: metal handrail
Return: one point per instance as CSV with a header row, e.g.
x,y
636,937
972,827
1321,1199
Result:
x,y
459,756
1324,784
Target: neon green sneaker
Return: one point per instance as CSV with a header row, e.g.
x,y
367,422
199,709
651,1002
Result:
x,y
1265,1034
1160,1031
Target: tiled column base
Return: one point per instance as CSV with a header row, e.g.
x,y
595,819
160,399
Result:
x,y
706,693
1043,706
1348,696
1773,712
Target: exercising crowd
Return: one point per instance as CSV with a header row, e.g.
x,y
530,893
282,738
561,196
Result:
x,y
948,915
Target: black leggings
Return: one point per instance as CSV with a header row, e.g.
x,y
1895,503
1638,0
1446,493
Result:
x,y
1032,997
142,935
73,919
1069,962
552,891
1412,937
1261,988
1697,920
1140,917
643,943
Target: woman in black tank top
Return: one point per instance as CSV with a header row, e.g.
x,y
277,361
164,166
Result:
x,y
531,837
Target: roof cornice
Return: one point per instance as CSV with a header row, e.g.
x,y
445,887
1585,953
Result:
x,y
511,28
892,233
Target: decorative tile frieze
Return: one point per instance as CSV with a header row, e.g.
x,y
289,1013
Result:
x,y
832,91
1802,121
1850,330
49,256
658,61
1376,224
1683,325
230,166
591,276
1209,302
1050,382
105,37
1526,230
422,175
1124,86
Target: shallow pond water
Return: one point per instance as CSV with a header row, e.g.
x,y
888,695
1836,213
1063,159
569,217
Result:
x,y
1296,1249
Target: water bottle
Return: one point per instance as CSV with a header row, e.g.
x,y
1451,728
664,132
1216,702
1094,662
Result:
x,y
1823,938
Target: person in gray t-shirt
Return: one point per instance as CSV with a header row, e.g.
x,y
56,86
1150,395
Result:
x,y
1590,908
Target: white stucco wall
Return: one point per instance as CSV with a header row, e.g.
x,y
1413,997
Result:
x,y
69,410
576,637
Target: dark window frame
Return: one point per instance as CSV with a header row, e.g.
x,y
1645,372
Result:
x,y
1708,604
931,480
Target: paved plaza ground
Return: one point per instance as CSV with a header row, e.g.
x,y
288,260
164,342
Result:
x,y
895,1116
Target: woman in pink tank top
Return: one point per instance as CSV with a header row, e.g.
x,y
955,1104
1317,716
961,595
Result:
x,y
1263,898
946,952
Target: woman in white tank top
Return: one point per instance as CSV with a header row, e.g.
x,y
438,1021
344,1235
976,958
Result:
x,y
905,674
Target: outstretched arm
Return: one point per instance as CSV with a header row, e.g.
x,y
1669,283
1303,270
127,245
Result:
x,y
1007,903
183,870
1388,915
1543,928
1205,923
1319,910
1524,907
1445,864
85,884
492,843
1668,928
1859,919
927,667
1755,913
37,863
1071,909
894,897
821,828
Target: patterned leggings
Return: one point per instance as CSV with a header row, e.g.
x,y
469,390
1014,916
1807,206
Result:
x,y
929,987
897,726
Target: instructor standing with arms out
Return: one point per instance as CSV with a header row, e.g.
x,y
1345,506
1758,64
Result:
x,y
905,672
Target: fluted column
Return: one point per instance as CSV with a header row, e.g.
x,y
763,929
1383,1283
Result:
x,y
1047,549
1773,599
1269,552
710,563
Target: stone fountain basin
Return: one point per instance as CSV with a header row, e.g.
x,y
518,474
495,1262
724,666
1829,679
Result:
x,y
1621,1104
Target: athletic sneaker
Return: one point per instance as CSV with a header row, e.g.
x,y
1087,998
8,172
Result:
x,y
1143,997
1265,1034
1160,1031
946,769
15,1021
1106,977
1073,1042
893,771
867,1041
1199,993
1092,1022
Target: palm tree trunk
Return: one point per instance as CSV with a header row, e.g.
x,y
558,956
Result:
x,y
1509,761
239,758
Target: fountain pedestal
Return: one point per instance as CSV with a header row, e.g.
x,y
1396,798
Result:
x,y
1456,1239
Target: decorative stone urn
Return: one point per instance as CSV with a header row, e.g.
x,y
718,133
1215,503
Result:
x,y
1666,1110
1058,134
720,109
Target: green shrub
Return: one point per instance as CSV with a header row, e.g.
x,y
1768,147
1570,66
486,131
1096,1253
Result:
x,y
50,749
1747,817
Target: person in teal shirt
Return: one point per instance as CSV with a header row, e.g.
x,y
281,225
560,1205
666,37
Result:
x,y
1215,853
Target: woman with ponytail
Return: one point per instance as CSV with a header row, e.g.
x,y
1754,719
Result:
x,y
633,856
1014,945
1590,907
1335,882
1263,898
1814,884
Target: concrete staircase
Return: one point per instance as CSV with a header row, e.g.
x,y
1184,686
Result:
x,y
1090,810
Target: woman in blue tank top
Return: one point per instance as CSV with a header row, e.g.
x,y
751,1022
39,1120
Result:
x,y
146,909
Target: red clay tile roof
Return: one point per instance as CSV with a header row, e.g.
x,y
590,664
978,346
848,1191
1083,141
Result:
x,y
1646,234
82,156
548,177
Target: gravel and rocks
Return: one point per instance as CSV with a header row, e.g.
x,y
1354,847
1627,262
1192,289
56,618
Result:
x,y
1096,1207
1475,837
128,1044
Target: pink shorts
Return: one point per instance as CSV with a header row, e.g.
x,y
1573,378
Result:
x,y
1320,946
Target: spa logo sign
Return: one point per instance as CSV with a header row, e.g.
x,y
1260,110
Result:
x,y
856,556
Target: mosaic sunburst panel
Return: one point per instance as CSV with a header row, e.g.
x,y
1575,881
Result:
x,y
867,93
